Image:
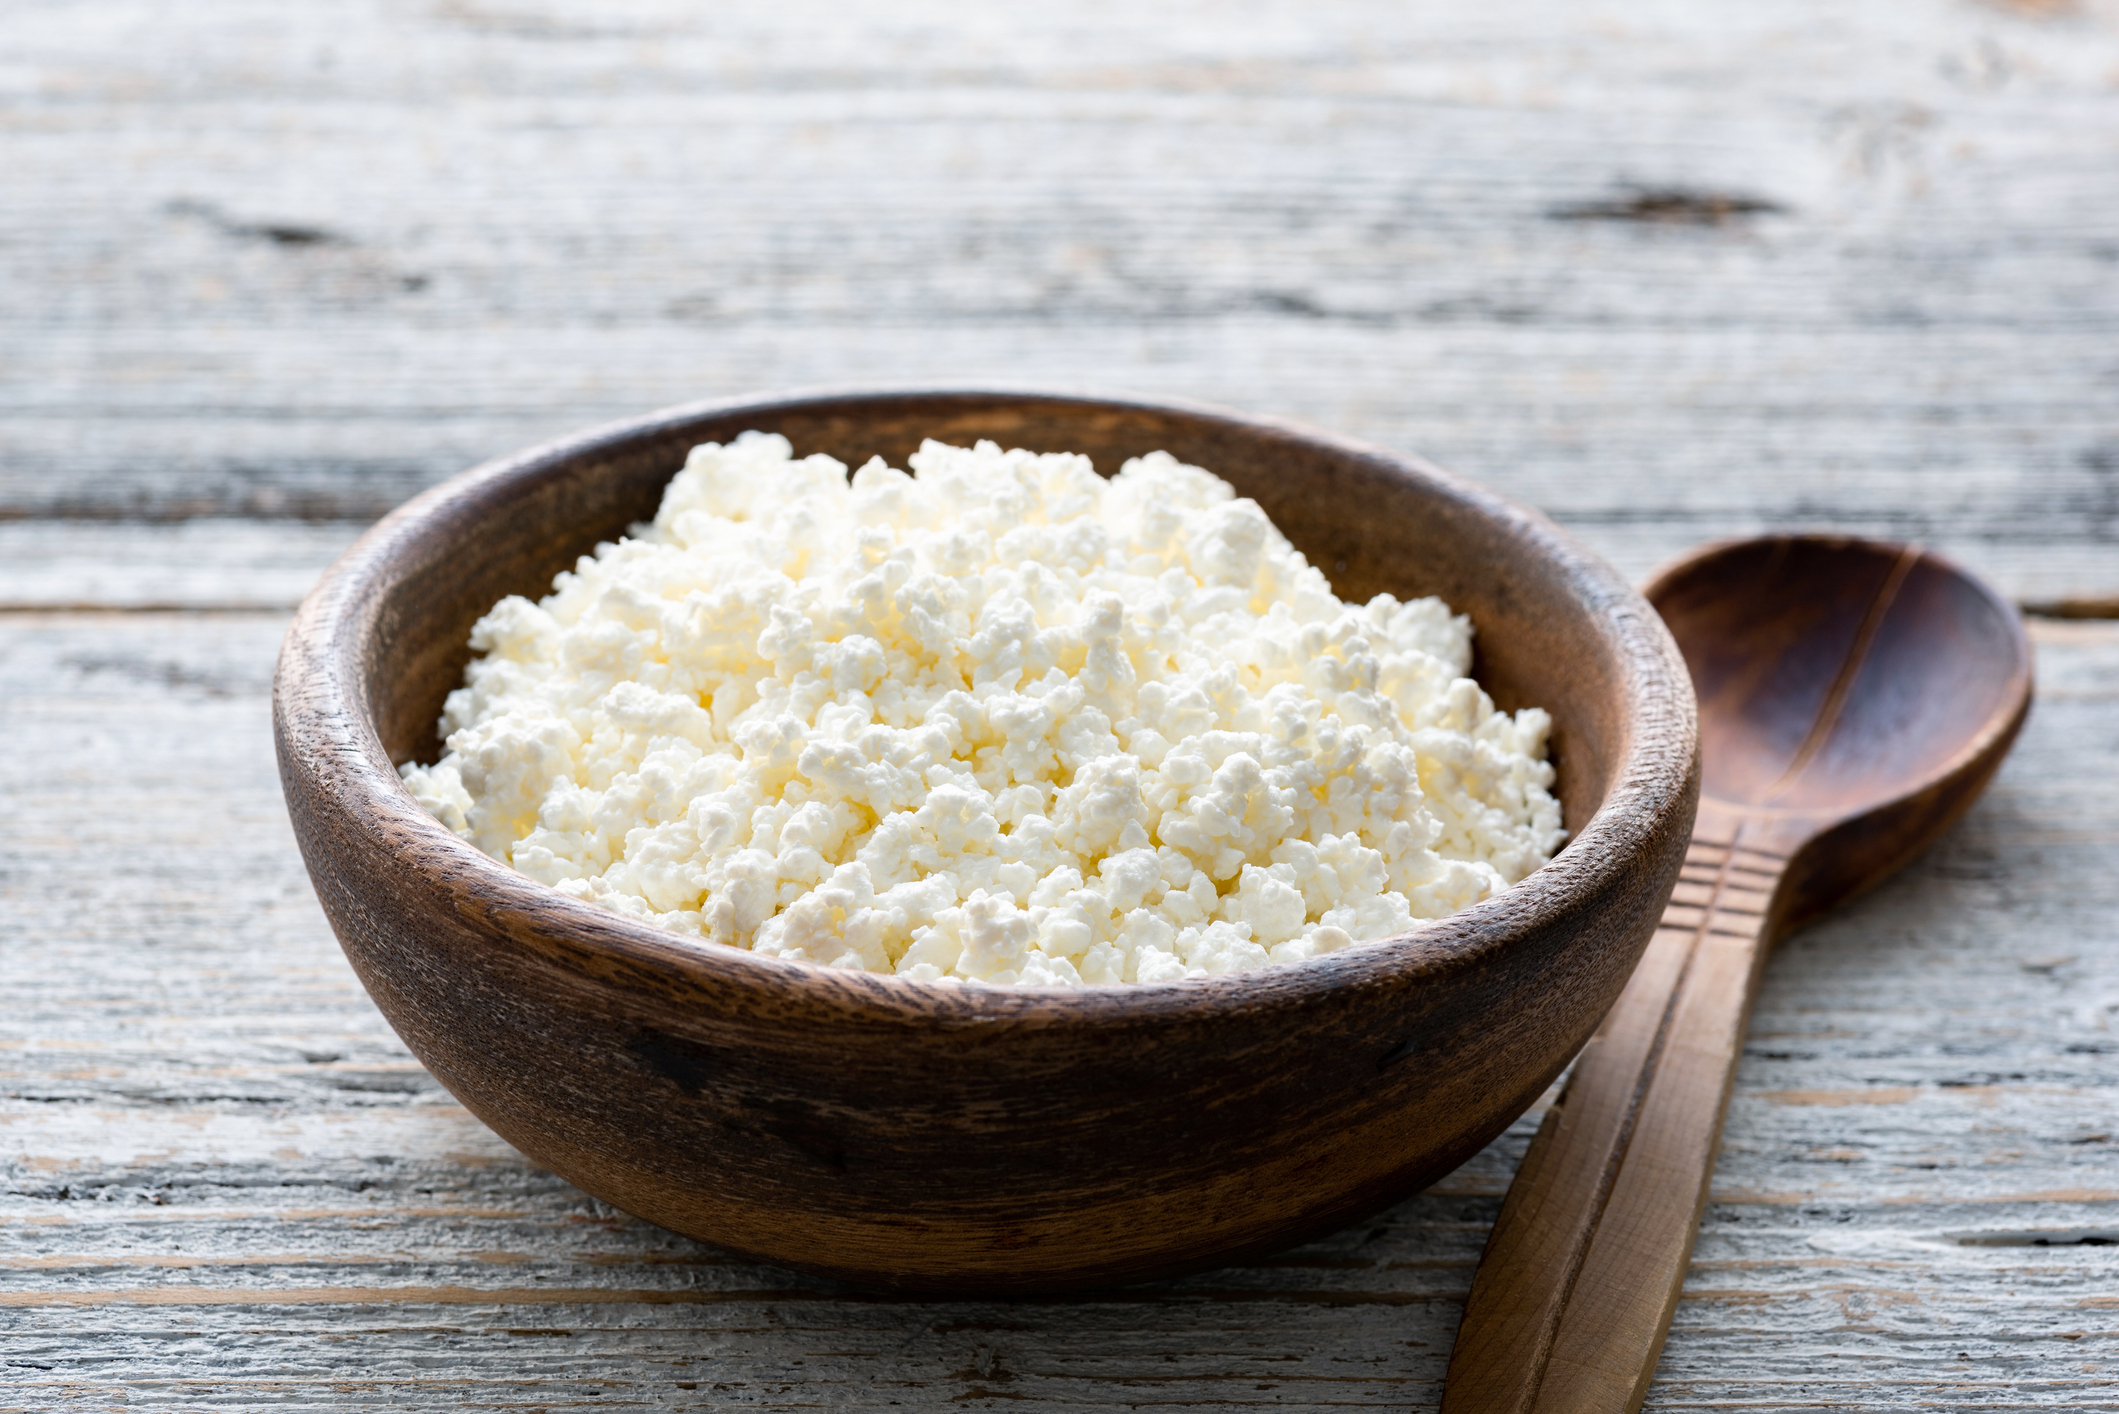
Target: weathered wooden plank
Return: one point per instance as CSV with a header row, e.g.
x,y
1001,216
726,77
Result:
x,y
227,1186
1667,274
217,564
220,564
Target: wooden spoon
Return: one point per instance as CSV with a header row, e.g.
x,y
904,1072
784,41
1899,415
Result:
x,y
1855,698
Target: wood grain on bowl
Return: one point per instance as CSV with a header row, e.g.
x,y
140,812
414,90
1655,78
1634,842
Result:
x,y
963,1138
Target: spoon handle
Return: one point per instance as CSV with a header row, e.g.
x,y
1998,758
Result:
x,y
1574,1295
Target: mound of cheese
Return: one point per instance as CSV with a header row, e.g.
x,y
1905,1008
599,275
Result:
x,y
1003,720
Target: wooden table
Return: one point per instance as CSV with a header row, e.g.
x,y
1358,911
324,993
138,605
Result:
x,y
1669,272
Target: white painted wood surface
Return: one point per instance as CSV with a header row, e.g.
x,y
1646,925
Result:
x,y
265,269
227,1183
276,260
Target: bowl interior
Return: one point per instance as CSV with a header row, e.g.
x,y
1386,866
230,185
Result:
x,y
1371,522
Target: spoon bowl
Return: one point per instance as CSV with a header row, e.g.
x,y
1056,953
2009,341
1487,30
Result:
x,y
1855,697
1840,679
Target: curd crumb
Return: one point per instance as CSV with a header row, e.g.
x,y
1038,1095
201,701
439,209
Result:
x,y
1001,721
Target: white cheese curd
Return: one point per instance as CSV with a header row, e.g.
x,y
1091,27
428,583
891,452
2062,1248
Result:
x,y
1003,721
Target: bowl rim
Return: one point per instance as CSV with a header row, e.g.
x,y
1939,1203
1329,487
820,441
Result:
x,y
331,749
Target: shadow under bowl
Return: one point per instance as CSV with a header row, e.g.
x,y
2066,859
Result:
x,y
970,1139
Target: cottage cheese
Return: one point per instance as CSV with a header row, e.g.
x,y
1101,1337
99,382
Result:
x,y
1004,721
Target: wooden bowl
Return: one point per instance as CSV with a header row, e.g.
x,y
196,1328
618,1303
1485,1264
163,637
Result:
x,y
962,1138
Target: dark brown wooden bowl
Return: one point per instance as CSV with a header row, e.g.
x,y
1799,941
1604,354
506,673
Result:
x,y
962,1138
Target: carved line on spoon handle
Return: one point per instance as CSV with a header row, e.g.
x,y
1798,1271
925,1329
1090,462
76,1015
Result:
x,y
1574,1293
